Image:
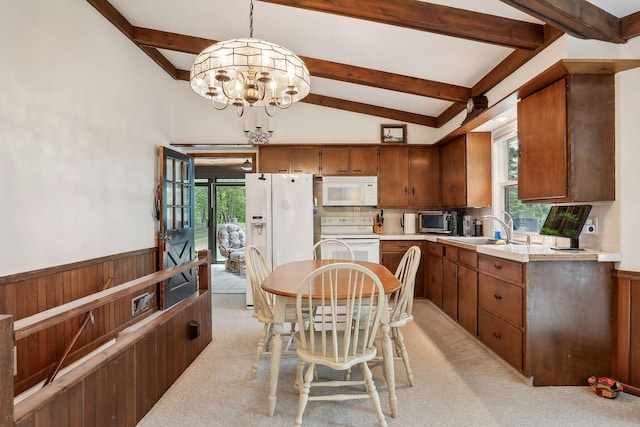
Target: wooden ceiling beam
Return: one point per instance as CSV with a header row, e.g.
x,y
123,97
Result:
x,y
318,68
630,26
371,110
578,18
418,15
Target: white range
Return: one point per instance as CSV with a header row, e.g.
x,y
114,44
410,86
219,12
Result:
x,y
356,231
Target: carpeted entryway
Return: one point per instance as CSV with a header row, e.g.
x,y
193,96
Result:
x,y
458,383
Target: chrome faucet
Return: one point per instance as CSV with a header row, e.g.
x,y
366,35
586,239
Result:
x,y
508,225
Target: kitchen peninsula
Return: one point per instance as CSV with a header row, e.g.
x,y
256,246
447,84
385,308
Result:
x,y
545,312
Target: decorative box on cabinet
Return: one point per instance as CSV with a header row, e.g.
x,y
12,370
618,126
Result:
x,y
566,134
392,252
465,171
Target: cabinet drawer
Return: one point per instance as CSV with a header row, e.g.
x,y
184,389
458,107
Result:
x,y
451,252
500,337
468,258
500,298
397,245
434,249
507,270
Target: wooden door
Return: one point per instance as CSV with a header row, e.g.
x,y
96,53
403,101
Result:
x,y
275,159
335,161
177,240
434,274
468,299
542,132
450,288
393,177
305,160
459,172
424,177
363,161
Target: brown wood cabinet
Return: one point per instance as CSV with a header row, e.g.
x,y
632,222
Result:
x,y
550,320
567,141
460,286
362,161
287,159
465,171
433,275
626,317
408,177
391,253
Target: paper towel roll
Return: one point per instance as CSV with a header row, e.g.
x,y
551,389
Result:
x,y
409,221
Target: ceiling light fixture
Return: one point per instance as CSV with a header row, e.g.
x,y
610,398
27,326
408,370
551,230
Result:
x,y
250,72
246,166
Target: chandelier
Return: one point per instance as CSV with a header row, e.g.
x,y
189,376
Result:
x,y
249,72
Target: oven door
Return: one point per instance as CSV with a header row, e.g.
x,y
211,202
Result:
x,y
364,249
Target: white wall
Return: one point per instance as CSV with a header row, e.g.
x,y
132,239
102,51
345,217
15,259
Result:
x,y
82,111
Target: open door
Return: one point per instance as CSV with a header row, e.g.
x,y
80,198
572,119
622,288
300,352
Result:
x,y
176,237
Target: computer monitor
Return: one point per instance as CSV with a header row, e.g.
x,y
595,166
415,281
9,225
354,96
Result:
x,y
566,221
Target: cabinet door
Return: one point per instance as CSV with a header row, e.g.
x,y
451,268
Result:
x,y
453,174
275,159
468,299
478,173
393,177
363,161
335,161
542,133
450,288
424,177
305,160
434,279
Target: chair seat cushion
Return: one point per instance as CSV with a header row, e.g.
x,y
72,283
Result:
x,y
237,256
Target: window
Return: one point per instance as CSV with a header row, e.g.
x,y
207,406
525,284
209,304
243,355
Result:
x,y
526,217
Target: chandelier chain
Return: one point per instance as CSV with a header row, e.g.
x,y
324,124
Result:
x,y
251,19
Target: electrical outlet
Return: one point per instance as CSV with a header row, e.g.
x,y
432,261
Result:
x,y
590,226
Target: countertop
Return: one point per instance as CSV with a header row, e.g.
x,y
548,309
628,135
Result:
x,y
515,252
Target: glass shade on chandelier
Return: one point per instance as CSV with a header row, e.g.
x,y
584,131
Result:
x,y
248,72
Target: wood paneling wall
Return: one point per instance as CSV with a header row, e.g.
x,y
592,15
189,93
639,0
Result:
x,y
626,345
25,294
119,386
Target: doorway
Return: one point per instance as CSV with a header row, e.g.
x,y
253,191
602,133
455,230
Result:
x,y
219,196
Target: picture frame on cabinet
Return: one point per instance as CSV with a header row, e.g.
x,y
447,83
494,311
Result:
x,y
393,133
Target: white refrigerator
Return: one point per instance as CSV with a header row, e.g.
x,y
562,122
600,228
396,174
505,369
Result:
x,y
279,217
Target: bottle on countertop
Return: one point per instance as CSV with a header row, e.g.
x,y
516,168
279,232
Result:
x,y
478,228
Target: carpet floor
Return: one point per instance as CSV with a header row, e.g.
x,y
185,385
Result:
x,y
458,382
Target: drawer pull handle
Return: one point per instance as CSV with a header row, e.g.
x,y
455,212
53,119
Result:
x,y
497,267
497,296
497,335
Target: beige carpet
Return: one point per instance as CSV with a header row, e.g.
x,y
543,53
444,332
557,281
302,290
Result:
x,y
458,383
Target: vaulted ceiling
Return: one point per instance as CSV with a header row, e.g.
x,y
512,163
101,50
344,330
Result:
x,y
411,61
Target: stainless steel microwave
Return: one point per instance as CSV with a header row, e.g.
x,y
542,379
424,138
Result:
x,y
436,222
349,191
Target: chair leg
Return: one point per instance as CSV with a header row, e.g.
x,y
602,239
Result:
x,y
264,338
373,394
403,353
304,394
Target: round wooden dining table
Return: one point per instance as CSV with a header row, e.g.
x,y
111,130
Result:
x,y
284,283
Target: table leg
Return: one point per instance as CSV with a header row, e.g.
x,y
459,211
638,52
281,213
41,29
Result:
x,y
276,351
387,354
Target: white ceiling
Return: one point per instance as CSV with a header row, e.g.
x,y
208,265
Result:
x,y
345,40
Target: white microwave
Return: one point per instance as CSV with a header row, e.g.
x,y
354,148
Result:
x,y
349,191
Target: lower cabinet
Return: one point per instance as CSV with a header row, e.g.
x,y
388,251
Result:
x,y
626,317
433,276
551,320
392,251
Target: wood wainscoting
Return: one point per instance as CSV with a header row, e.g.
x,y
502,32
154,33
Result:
x,y
25,294
626,340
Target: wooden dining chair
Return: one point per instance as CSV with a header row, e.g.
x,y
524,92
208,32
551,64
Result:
x,y
400,304
335,249
333,343
258,269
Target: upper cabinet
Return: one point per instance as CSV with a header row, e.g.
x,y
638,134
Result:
x,y
465,171
350,161
567,141
408,177
281,159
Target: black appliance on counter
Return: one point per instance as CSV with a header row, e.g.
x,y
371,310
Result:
x,y
439,222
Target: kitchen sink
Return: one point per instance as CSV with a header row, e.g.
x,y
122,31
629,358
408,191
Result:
x,y
474,240
479,241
